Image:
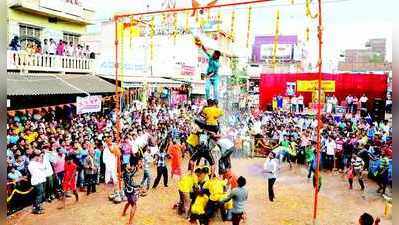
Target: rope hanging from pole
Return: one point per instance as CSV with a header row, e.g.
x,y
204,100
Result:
x,y
319,121
276,36
249,25
309,12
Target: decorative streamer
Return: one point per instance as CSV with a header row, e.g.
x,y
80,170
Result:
x,y
187,25
122,67
175,31
307,31
309,12
219,21
249,24
232,27
152,32
276,36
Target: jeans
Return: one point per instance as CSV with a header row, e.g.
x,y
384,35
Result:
x,y
60,177
146,179
161,171
49,188
310,170
39,196
271,182
80,178
330,161
212,82
91,180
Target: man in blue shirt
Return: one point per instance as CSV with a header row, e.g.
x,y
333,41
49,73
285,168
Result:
x,y
212,75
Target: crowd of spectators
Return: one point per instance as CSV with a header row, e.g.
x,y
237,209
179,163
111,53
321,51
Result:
x,y
38,145
348,142
51,47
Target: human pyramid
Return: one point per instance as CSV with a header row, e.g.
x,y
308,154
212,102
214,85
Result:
x,y
208,185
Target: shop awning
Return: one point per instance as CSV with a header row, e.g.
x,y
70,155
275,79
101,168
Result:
x,y
55,84
198,86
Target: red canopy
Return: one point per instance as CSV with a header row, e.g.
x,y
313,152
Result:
x,y
373,85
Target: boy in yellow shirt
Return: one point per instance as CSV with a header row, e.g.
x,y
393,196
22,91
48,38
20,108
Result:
x,y
185,185
198,209
211,113
216,188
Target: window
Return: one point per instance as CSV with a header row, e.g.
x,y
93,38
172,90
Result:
x,y
29,31
29,34
74,38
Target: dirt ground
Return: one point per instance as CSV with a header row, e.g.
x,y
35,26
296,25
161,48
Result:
x,y
293,206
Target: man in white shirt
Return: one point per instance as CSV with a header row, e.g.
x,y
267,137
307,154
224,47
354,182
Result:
x,y
271,169
300,103
70,50
330,152
52,47
49,158
334,102
363,101
45,47
294,104
38,178
226,147
349,102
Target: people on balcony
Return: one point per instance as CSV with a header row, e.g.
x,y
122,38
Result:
x,y
14,45
51,47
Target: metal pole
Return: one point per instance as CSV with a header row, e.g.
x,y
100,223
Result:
x,y
117,102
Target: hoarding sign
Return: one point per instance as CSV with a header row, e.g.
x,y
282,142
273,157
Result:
x,y
88,104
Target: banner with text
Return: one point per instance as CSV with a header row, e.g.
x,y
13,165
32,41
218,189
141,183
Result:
x,y
312,85
88,104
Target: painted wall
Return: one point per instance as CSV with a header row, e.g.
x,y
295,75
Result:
x,y
53,30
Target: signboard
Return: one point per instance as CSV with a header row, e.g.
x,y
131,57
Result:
x,y
284,51
88,104
312,85
73,7
8,103
187,70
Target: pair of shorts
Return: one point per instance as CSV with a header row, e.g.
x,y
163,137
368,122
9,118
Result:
x,y
203,219
132,197
203,152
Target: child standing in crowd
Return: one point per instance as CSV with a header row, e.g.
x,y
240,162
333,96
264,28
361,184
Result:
x,y
147,160
162,169
69,182
131,192
90,172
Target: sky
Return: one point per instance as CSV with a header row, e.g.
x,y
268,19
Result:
x,y
347,23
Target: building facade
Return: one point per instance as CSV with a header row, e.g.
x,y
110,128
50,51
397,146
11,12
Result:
x,y
38,78
37,20
370,59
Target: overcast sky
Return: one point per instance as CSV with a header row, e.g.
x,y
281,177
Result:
x,y
347,23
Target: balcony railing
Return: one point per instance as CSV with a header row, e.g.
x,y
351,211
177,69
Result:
x,y
48,63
